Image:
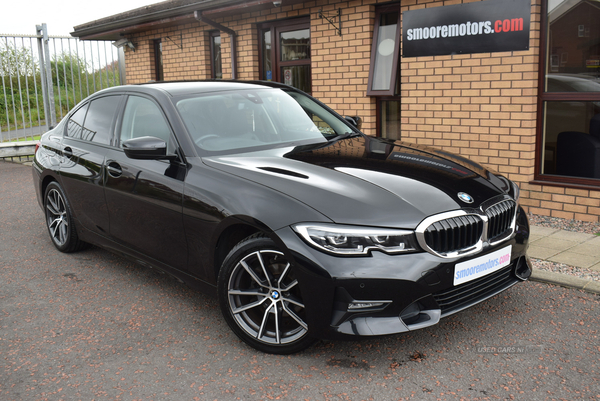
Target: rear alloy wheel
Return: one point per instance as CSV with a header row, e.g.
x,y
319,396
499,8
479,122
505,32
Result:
x,y
59,220
260,298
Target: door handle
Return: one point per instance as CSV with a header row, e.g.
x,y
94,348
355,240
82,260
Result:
x,y
114,169
67,152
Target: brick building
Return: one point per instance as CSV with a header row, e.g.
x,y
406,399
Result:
x,y
532,113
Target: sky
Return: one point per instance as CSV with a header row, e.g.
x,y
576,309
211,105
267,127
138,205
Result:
x,y
21,16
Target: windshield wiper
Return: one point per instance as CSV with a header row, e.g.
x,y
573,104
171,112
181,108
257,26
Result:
x,y
343,136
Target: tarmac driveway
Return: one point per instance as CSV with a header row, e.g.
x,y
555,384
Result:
x,y
92,325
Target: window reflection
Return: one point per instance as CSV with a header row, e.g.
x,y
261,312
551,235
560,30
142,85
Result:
x,y
572,139
390,119
571,97
215,52
384,56
295,45
266,52
573,47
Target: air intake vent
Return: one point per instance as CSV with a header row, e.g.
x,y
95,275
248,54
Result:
x,y
500,219
460,297
454,234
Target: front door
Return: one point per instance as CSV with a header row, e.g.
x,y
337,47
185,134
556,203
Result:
x,y
144,197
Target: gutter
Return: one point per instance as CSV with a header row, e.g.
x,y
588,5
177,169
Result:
x,y
232,37
95,29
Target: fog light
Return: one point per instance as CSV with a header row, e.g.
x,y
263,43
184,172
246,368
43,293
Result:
x,y
367,305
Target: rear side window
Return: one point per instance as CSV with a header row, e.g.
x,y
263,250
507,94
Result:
x,y
75,124
93,121
99,119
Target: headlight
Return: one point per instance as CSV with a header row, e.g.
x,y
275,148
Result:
x,y
350,240
516,191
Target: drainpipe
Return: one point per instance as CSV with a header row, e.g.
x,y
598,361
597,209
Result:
x,y
232,37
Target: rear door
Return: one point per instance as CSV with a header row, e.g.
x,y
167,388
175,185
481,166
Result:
x,y
144,197
86,140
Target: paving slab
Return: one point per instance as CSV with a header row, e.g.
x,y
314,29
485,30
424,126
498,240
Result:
x,y
543,231
571,236
540,252
575,259
587,248
535,237
556,243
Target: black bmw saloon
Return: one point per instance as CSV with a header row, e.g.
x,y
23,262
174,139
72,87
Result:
x,y
301,225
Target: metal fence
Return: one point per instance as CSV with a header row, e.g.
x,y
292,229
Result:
x,y
44,76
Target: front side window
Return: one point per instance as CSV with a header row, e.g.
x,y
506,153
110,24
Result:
x,y
143,117
569,137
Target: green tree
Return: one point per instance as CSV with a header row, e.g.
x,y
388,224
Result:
x,y
16,61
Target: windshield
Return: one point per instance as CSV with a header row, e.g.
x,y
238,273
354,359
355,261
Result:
x,y
225,121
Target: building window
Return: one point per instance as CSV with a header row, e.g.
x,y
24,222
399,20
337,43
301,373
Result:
x,y
285,53
385,52
215,55
158,60
384,72
568,146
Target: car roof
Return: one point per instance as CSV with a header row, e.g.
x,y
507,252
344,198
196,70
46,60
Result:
x,y
191,87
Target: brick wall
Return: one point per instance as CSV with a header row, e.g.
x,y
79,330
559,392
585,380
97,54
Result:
x,y
340,65
483,106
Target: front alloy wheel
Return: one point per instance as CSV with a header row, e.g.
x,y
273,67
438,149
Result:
x,y
260,298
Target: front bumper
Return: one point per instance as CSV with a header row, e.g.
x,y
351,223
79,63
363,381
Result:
x,y
386,294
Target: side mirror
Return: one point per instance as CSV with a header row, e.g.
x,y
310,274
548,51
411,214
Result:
x,y
145,148
355,121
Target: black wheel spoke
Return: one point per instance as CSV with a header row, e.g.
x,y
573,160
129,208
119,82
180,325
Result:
x,y
249,306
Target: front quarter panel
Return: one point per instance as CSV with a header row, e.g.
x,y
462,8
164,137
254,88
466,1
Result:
x,y
214,200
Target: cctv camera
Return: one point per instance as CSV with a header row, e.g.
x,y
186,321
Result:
x,y
277,3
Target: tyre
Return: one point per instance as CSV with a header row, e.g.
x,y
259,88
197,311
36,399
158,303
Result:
x,y
59,220
260,298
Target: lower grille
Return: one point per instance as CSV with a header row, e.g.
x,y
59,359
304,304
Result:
x,y
467,294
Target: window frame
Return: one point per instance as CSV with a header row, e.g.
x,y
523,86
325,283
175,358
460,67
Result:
x,y
396,57
211,35
159,73
543,97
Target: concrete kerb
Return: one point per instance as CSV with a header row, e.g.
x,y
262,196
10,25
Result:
x,y
564,280
15,149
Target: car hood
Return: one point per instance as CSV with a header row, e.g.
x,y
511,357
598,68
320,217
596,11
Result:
x,y
368,181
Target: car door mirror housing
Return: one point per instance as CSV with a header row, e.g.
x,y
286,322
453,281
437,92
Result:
x,y
355,121
146,148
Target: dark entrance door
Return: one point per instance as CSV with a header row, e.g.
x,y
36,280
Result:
x,y
285,53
